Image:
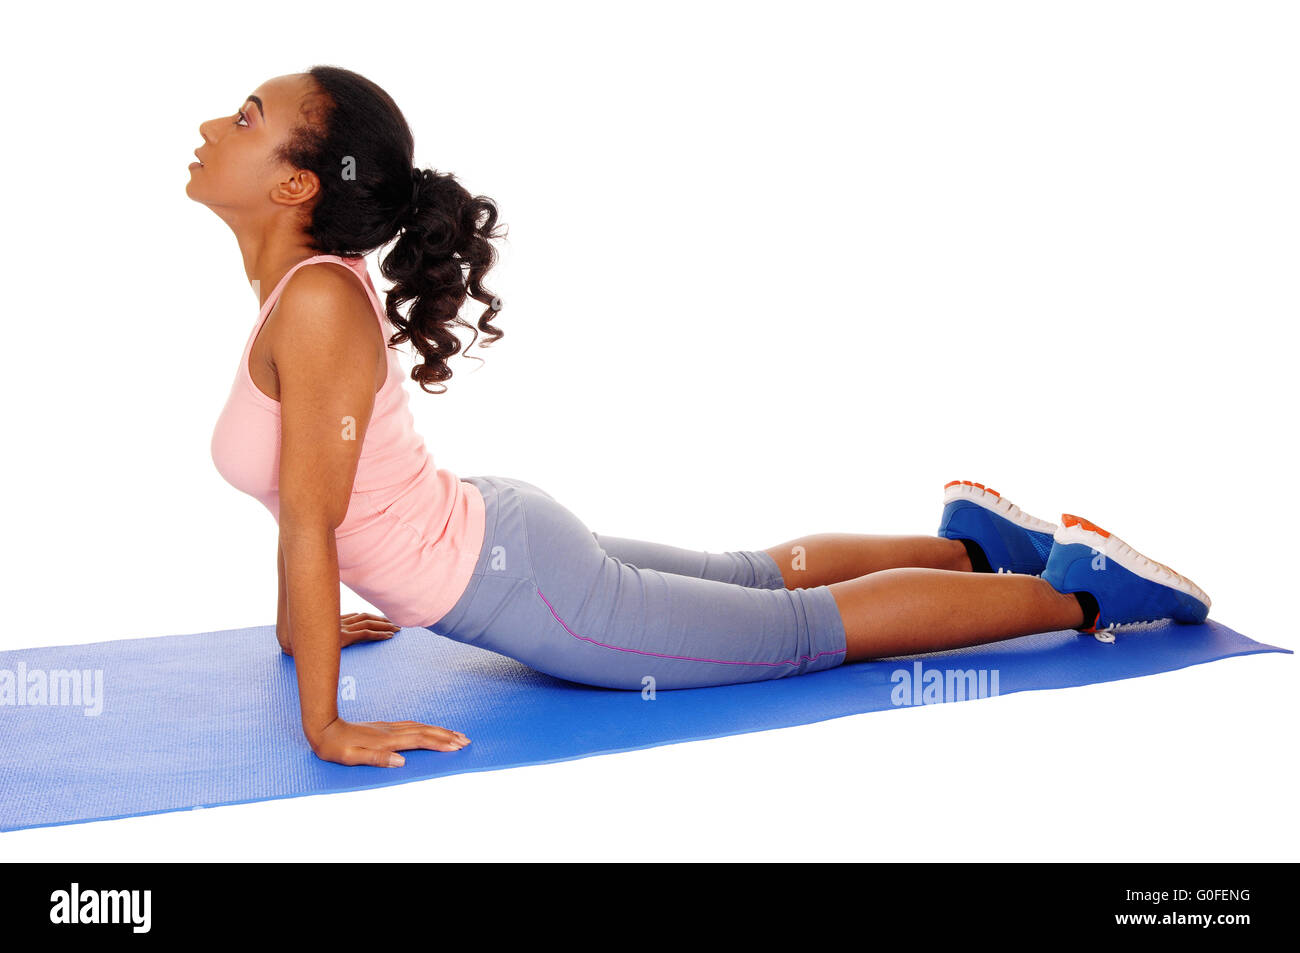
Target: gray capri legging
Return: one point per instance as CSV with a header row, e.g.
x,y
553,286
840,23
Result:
x,y
623,613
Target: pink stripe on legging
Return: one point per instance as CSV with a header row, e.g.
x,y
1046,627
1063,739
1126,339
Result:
x,y
686,658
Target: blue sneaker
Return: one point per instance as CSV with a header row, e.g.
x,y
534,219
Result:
x,y
1012,540
1129,588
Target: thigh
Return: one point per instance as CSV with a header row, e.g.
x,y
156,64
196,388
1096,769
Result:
x,y
601,621
740,567
754,568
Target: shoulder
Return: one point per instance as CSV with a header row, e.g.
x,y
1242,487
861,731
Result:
x,y
323,308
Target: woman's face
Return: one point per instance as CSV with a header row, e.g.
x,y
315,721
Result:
x,y
238,175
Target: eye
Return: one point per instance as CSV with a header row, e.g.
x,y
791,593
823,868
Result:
x,y
243,117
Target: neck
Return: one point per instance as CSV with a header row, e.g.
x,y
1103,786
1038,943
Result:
x,y
269,252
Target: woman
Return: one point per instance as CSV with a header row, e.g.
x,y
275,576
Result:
x,y
315,170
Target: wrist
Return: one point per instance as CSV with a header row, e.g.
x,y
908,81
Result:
x,y
315,735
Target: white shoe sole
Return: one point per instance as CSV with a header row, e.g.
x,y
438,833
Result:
x,y
993,501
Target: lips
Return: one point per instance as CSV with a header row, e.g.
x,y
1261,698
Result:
x,y
197,156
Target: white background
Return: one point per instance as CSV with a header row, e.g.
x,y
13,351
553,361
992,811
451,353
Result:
x,y
771,270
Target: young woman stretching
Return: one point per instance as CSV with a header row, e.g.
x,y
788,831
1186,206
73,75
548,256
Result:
x,y
313,171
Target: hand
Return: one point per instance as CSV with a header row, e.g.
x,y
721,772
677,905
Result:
x,y
364,627
377,742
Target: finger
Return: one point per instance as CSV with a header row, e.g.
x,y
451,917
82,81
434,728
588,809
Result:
x,y
402,727
367,620
429,738
353,634
395,725
446,733
440,738
406,736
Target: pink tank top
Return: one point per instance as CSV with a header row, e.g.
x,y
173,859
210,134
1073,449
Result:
x,y
412,533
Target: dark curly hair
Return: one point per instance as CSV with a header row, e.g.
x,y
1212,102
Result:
x,y
357,142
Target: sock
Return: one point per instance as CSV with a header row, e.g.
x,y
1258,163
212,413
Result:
x,y
978,561
1089,606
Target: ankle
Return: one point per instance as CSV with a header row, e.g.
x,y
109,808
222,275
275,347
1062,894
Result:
x,y
975,557
1088,608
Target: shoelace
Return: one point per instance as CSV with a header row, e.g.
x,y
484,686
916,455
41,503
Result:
x,y
1107,632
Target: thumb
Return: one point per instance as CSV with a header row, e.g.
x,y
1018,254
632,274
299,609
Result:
x,y
380,758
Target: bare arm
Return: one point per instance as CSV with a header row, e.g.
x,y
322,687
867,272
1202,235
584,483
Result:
x,y
324,354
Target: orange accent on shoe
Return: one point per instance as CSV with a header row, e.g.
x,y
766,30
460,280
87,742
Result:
x,y
1068,519
986,489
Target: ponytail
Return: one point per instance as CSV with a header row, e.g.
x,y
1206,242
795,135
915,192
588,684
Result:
x,y
441,256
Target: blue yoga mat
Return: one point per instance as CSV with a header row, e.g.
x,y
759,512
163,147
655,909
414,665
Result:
x,y
180,722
